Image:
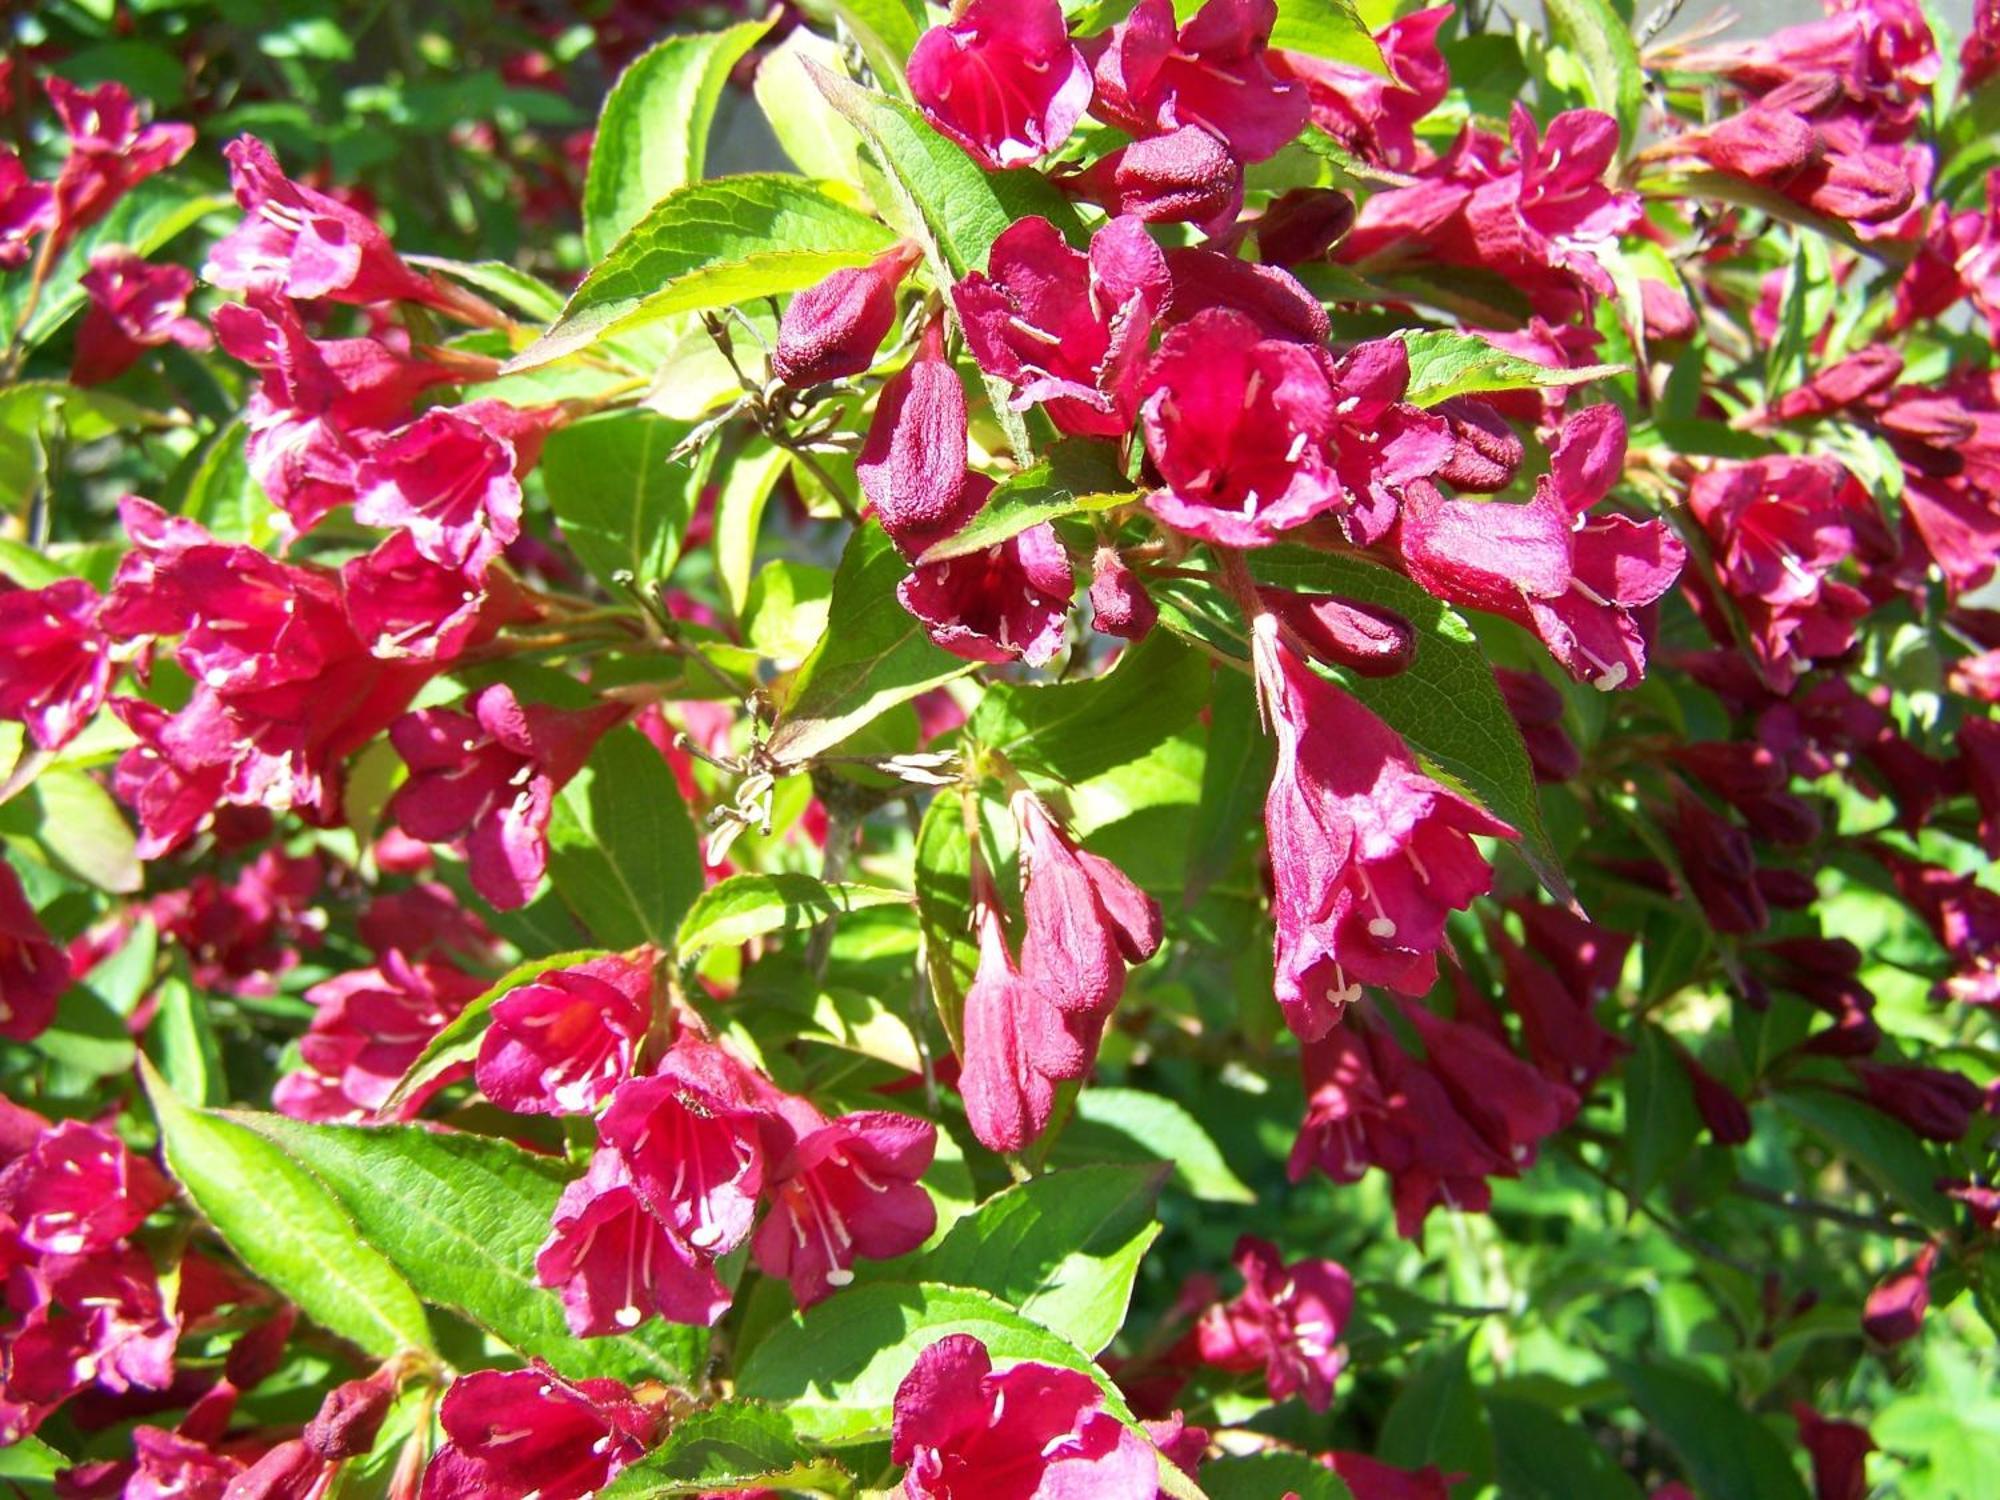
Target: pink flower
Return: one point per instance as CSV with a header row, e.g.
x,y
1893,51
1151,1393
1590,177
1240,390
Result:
x,y
408,608
616,1264
1067,331
1270,296
450,482
841,1190
1894,1312
110,151
1033,1432
34,972
1002,79
1241,428
1008,1101
1370,1479
303,244
562,1042
1368,855
370,1026
134,306
27,209
912,466
1286,1320
1372,116
490,777
1839,1453
693,1140
82,1320
78,1191
832,330
510,1434
1214,72
1009,601
55,664
172,792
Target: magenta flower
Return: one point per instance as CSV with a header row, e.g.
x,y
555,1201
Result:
x,y
1214,72
1241,428
1368,855
1002,79
450,482
83,1320
1270,296
1287,1321
1349,633
303,244
693,1140
78,1191
34,972
370,1026
27,210
1839,1454
110,150
406,607
134,306
912,466
832,330
511,1434
1186,176
616,1264
1086,920
489,777
1007,1100
1372,116
173,793
1033,1432
55,664
562,1042
1557,211
1009,601
1370,1479
842,1190
1067,331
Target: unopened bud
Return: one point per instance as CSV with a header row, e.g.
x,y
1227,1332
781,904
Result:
x,y
1184,177
1486,453
351,1416
833,329
1119,603
1303,226
1364,638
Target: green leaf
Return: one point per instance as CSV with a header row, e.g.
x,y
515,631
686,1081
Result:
x,y
785,609
814,136
1444,363
78,828
835,1368
622,850
498,280
1660,1117
1270,1476
874,655
745,484
457,1045
742,907
1129,1125
887,31
1332,29
1602,41
943,878
461,1216
153,213
653,134
1436,1419
1235,773
286,1227
1063,1248
1446,704
948,202
224,497
1078,477
735,1445
31,1460
1541,1456
182,1040
709,245
1887,1150
623,507
1729,1454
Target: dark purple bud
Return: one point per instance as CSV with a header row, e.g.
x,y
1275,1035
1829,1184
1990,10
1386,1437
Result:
x,y
1363,638
833,329
1119,603
1721,1111
351,1415
1934,1102
1303,225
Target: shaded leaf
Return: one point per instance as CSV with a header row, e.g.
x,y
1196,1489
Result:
x,y
622,850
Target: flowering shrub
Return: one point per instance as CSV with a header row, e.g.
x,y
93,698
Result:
x,y
1233,749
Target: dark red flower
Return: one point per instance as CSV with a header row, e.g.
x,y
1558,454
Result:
x,y
1287,1321
134,306
1934,1102
1839,1453
1215,72
1119,603
78,1191
110,150
27,210
1006,602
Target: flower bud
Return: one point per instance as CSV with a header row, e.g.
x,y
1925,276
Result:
x,y
1303,225
1364,638
1186,176
1894,1312
1934,1102
1721,1111
1119,603
833,329
351,1415
1486,453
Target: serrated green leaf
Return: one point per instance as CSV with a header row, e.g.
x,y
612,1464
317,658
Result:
x,y
500,281
1729,1454
1064,1248
1270,1476
622,850
652,136
1332,29
736,1445
1076,478
1130,1125
1601,40
1539,1455
1444,363
285,1225
461,1217
874,655
623,507
743,907
944,908
835,1368
1437,1419
709,245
